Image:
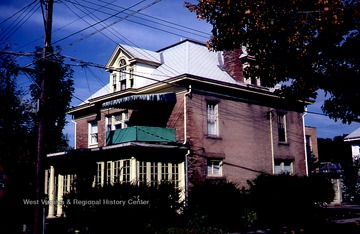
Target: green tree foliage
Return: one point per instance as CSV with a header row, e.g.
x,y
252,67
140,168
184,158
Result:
x,y
16,154
334,150
306,44
59,93
351,183
14,118
218,204
127,207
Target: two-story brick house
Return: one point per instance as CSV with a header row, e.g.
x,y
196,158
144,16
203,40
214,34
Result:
x,y
183,114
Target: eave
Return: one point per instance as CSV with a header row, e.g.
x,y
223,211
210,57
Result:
x,y
180,84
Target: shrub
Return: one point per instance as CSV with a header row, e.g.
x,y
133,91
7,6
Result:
x,y
123,207
287,200
218,204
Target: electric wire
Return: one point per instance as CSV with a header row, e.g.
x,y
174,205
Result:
x,y
22,9
14,27
107,18
171,24
162,20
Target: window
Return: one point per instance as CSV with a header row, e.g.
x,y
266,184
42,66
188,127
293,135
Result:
x,y
116,171
131,79
99,174
212,119
175,174
117,121
214,168
281,123
122,74
68,183
154,173
93,133
164,172
285,166
126,171
114,81
142,173
109,177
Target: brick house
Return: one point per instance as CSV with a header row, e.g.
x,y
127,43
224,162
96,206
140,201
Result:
x,y
354,140
183,114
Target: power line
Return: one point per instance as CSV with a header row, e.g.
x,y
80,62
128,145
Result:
x,y
170,24
107,18
12,28
162,20
18,12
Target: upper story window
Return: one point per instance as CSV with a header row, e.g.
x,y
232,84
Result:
x,y
281,124
93,133
212,118
131,78
114,81
117,121
122,74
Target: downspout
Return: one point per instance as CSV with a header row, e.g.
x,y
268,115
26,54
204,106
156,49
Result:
x,y
272,141
188,151
306,158
74,133
185,114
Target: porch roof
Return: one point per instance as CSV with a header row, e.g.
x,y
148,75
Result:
x,y
135,101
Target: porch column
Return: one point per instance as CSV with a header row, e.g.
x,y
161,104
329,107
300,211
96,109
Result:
x,y
133,169
51,191
60,195
182,180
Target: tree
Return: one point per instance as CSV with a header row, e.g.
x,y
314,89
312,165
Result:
x,y
306,45
334,150
291,201
16,154
59,94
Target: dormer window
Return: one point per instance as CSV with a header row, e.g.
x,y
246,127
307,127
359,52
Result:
x,y
122,74
114,81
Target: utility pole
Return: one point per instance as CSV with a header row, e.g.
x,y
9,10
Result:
x,y
41,153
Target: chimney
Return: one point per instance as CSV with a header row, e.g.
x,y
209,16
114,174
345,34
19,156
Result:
x,y
233,65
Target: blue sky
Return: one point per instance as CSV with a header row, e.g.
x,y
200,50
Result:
x,y
146,24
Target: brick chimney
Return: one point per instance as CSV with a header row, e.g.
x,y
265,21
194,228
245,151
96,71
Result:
x,y
233,65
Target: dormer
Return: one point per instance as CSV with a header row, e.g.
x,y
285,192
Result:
x,y
127,63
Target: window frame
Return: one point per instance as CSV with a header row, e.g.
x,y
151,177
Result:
x,y
212,118
112,121
280,164
281,126
93,137
212,163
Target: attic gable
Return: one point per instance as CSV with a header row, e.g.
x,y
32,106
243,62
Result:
x,y
132,55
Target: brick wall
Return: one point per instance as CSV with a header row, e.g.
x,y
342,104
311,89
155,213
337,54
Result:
x,y
233,65
244,139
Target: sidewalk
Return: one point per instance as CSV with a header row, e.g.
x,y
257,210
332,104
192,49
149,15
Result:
x,y
347,214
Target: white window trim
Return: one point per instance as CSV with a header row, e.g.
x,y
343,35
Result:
x,y
111,121
282,167
91,135
283,115
211,162
212,128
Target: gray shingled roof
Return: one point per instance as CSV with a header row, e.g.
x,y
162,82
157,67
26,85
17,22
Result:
x,y
353,135
185,57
